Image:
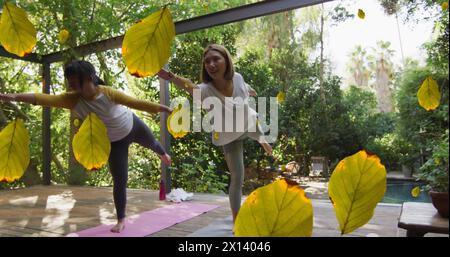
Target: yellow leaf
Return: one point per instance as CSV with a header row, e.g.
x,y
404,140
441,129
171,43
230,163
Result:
x,y
361,14
437,161
415,192
280,97
146,45
444,6
76,122
356,185
91,145
17,34
63,36
178,122
14,151
428,95
216,136
278,209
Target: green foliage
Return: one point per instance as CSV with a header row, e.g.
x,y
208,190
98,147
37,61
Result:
x,y
77,176
373,129
258,74
415,125
341,14
272,58
332,133
435,169
198,165
386,148
438,49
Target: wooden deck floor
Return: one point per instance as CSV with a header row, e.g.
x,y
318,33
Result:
x,y
59,210
54,211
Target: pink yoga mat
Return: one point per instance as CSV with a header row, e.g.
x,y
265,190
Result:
x,y
149,222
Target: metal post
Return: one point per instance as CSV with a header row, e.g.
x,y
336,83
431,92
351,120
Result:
x,y
46,122
164,133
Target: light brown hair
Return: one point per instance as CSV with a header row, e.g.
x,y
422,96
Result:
x,y
229,71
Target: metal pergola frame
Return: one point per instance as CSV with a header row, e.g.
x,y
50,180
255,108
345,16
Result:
x,y
228,16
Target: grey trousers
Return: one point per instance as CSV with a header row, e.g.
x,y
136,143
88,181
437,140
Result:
x,y
234,156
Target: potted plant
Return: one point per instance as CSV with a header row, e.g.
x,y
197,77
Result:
x,y
435,173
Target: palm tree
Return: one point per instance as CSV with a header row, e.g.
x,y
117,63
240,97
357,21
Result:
x,y
358,69
382,69
392,7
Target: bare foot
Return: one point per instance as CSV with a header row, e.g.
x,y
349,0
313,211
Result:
x,y
165,158
118,227
267,148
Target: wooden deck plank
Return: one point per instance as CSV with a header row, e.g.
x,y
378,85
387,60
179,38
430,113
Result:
x,y
60,210
26,232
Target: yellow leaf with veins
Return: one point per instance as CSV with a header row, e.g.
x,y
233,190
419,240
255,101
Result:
x,y
14,151
279,209
356,186
91,145
428,95
17,33
146,45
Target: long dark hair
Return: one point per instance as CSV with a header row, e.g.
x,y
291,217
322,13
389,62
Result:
x,y
84,70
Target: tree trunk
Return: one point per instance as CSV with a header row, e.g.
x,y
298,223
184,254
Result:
x,y
322,93
58,164
383,92
400,40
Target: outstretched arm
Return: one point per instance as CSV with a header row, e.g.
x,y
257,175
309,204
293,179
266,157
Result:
x,y
26,98
120,98
182,83
65,100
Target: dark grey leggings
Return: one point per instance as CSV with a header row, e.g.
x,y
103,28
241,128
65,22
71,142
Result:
x,y
118,160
